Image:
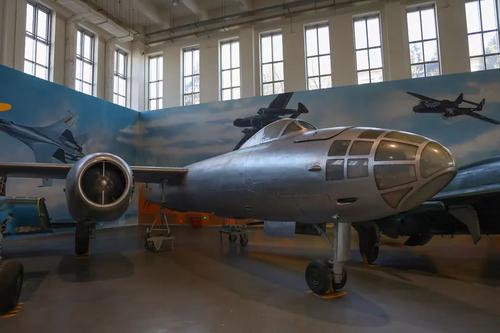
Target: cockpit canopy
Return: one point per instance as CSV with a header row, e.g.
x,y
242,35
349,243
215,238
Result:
x,y
278,129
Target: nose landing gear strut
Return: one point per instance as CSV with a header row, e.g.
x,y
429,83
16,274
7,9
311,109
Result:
x,y
329,275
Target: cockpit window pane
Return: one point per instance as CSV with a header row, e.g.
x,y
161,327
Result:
x,y
339,147
395,151
361,148
305,124
335,169
387,176
357,168
292,127
403,136
434,158
272,131
370,134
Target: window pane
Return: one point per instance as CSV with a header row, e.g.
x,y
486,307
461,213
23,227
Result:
x,y
226,94
267,89
79,70
279,87
226,55
267,74
362,59
152,69
363,77
42,54
326,82
325,65
188,63
42,24
196,98
41,72
413,21
235,54
334,170
277,47
152,104
324,40
235,77
122,86
153,90
373,31
416,53
196,62
226,79
428,23
196,83
29,49
375,58
159,64
491,42
488,14
312,42
160,90
87,73
87,47
160,104
313,83
475,45
430,50
266,49
492,62
236,93
432,69
87,88
29,18
78,43
357,168
377,75
188,85
472,14
188,99
312,66
417,71
360,34
28,68
278,71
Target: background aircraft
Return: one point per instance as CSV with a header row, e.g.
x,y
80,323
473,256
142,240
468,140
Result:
x,y
468,205
449,108
47,142
275,111
287,171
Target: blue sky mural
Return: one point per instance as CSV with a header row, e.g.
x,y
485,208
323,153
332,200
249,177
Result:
x,y
182,135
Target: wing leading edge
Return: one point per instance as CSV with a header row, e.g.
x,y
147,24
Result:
x,y
142,174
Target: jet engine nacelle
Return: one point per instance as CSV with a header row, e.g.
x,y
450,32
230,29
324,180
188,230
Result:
x,y
99,187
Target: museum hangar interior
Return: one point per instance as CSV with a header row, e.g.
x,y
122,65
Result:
x,y
260,166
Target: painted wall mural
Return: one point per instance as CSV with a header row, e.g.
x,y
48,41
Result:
x,y
41,121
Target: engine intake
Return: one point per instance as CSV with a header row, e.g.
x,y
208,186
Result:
x,y
99,187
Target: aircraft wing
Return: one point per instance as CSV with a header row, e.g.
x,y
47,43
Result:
x,y
481,117
143,174
471,192
422,97
281,101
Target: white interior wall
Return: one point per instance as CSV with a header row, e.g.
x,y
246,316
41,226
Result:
x,y
451,24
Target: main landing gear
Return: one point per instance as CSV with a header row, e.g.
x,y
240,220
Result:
x,y
369,241
83,232
329,275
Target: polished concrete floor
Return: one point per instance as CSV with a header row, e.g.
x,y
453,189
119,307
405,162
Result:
x,y
449,285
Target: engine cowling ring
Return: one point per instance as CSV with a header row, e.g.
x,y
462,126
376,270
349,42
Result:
x,y
99,187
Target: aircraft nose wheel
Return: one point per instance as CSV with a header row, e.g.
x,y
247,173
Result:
x,y
320,278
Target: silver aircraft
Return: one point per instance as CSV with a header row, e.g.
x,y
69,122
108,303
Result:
x,y
287,171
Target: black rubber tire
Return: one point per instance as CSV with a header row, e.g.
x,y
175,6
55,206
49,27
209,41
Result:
x,y
243,240
341,284
319,277
82,239
11,284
